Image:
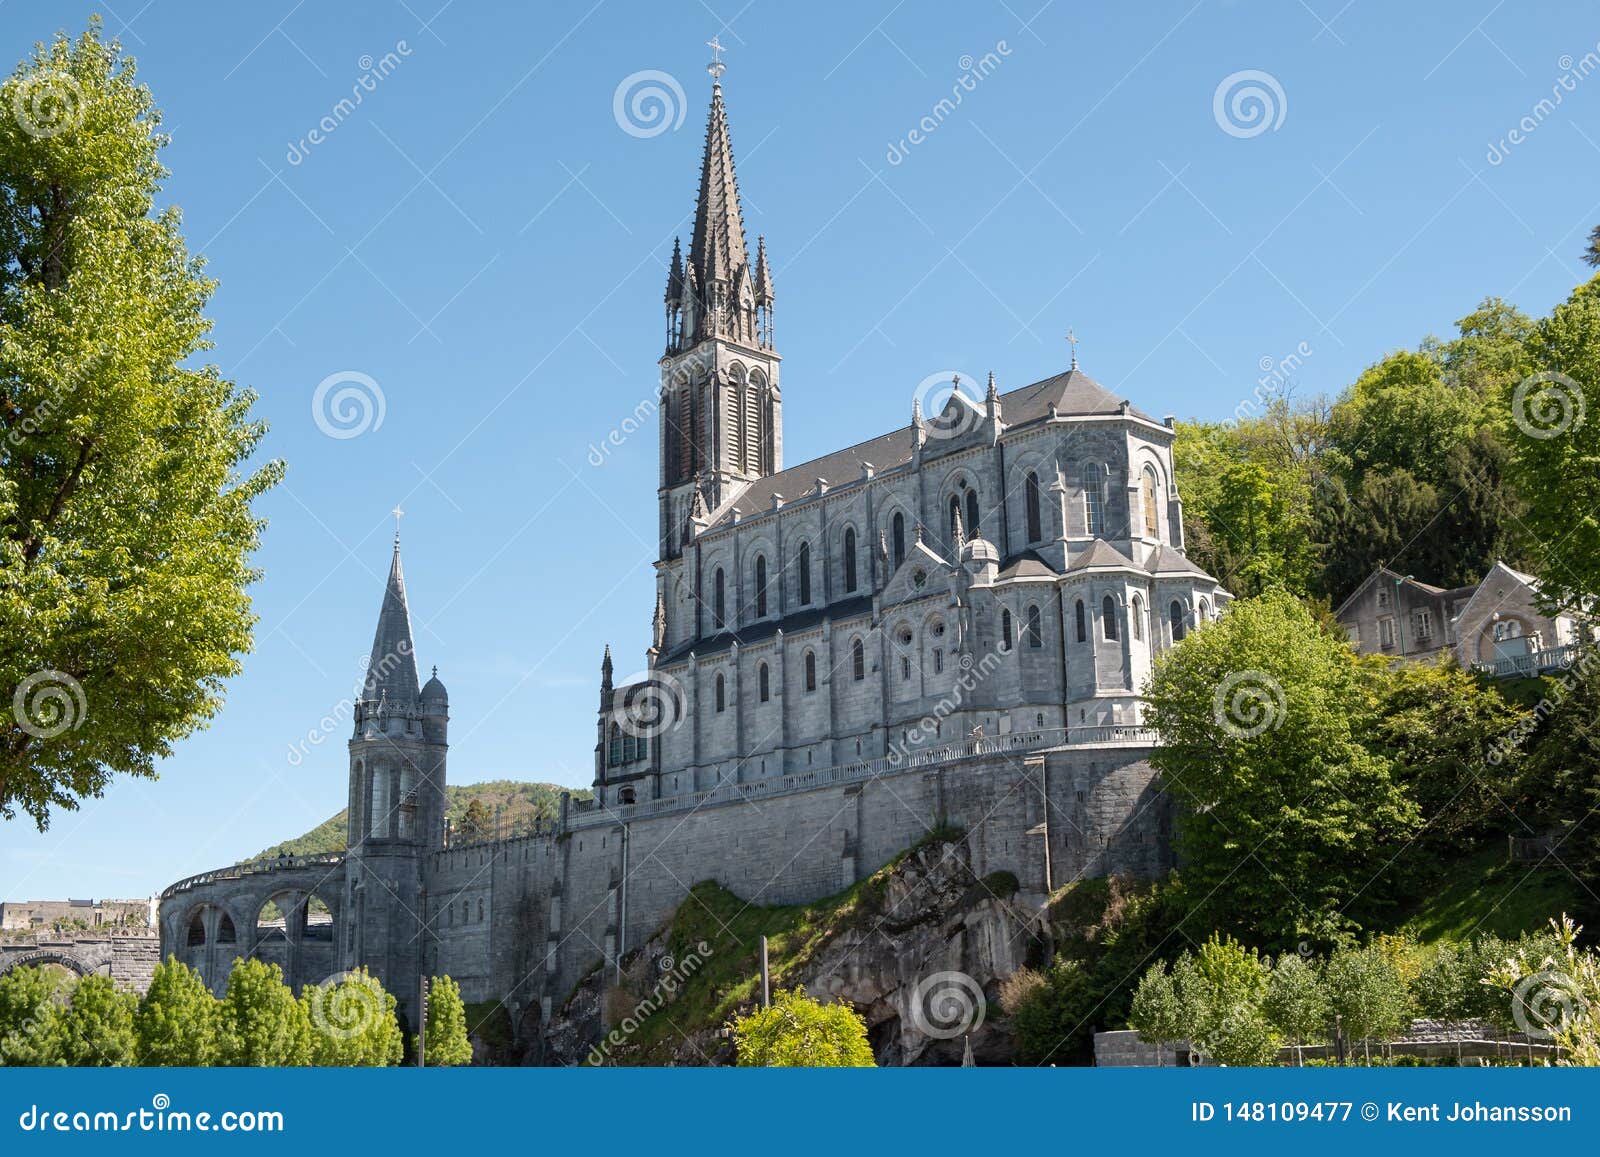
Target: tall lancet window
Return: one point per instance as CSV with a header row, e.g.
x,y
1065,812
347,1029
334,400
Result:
x,y
1031,500
1094,517
761,585
803,564
899,536
850,560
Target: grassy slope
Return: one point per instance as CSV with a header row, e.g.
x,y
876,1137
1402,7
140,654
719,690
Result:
x,y
1484,892
522,803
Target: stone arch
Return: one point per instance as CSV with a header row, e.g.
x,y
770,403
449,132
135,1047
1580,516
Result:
x,y
43,957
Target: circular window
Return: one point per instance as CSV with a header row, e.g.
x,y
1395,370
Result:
x,y
938,630
919,577
905,638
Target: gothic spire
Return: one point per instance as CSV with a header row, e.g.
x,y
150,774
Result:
x,y
763,286
675,274
392,668
717,249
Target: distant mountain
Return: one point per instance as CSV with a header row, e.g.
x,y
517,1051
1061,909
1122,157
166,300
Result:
x,y
521,805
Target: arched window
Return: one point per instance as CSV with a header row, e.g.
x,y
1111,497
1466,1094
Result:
x,y
763,683
197,928
1034,630
616,745
480,909
1204,615
849,559
898,534
761,586
628,747
804,563
1175,614
1108,617
1094,517
955,514
1136,615
1030,492
858,661
1082,629
719,599
226,934
722,694
972,514
811,670
1148,491
1005,630
466,911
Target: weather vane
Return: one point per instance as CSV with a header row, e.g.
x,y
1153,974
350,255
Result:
x,y
716,68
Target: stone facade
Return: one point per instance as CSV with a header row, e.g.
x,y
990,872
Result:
x,y
948,625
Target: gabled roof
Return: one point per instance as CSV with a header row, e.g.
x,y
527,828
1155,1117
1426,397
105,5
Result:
x,y
1073,393
1395,576
1028,564
1166,560
1103,554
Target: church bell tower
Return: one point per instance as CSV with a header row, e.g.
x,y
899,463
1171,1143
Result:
x,y
722,415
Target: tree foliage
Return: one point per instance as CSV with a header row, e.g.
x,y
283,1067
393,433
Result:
x,y
178,1020
799,1032
261,1023
447,1040
125,521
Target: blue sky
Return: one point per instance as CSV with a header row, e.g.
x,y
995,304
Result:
x,y
483,239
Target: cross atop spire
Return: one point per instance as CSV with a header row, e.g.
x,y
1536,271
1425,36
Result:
x,y
1072,341
716,68
398,515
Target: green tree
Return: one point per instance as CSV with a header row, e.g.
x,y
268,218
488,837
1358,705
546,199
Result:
x,y
477,822
798,1032
352,1022
447,1042
1284,816
1591,251
125,520
95,1029
1296,1004
261,1023
30,1002
1552,422
1368,995
1156,1012
1219,992
178,1019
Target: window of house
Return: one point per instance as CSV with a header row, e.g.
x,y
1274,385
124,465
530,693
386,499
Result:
x,y
1034,629
761,586
763,683
1094,500
1383,597
1108,617
1386,632
1423,621
811,670
1032,506
804,563
849,559
616,745
858,661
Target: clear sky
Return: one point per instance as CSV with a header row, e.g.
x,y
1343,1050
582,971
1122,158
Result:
x,y
486,238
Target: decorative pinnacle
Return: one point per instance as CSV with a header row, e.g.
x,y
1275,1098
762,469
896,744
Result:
x,y
716,68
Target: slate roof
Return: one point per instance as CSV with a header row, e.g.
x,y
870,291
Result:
x,y
392,669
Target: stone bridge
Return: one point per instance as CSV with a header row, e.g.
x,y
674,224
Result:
x,y
127,959
286,911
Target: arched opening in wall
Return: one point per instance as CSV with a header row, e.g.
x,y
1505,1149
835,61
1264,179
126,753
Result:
x,y
1032,504
973,526
614,747
226,933
721,694
1152,519
898,534
1137,617
763,683
275,918
719,599
319,920
803,564
1108,618
1175,617
196,934
761,586
627,795
849,559
378,828
1094,505
811,670
1203,615
858,661
1005,629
